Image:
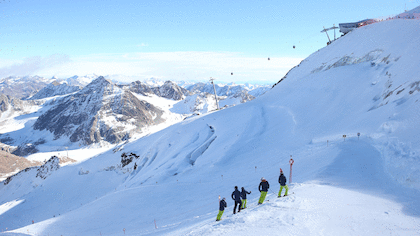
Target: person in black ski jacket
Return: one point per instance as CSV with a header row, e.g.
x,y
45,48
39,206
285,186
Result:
x,y
243,196
236,196
222,205
263,188
282,182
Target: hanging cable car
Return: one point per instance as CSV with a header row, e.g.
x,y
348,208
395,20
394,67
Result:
x,y
231,73
294,46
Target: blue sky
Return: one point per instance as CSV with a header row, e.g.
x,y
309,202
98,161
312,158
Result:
x,y
180,40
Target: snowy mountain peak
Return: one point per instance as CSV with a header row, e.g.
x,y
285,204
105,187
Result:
x,y
101,111
100,81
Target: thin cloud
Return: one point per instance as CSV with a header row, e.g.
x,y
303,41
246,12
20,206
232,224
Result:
x,y
143,45
190,65
33,65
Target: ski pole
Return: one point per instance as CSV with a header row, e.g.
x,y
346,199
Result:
x,y
272,191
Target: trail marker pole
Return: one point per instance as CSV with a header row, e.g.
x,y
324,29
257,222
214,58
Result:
x,y
358,135
327,143
155,224
291,164
344,136
255,169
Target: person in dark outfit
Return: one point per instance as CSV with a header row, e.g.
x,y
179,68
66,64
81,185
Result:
x,y
222,205
282,182
236,196
263,188
243,196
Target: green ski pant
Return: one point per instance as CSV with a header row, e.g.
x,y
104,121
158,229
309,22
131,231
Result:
x,y
243,203
219,216
262,197
281,188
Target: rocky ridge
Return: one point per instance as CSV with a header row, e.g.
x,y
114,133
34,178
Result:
x,y
54,89
100,111
22,87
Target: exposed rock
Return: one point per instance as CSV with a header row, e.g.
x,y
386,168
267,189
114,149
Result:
x,y
139,88
22,87
128,158
54,89
25,149
245,97
10,178
229,90
51,165
168,90
15,106
100,111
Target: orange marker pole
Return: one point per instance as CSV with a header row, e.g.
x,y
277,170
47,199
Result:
x,y
291,164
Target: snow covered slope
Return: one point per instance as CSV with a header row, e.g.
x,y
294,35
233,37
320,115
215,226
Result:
x,y
14,112
22,87
366,82
54,89
412,14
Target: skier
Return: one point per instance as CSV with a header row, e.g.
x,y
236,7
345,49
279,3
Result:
x,y
236,196
243,195
282,181
263,188
222,205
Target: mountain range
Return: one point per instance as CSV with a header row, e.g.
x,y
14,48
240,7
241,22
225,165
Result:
x,y
86,110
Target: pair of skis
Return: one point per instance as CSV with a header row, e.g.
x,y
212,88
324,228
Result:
x,y
286,195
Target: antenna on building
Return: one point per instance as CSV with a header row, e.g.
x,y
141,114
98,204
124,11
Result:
x,y
215,94
325,30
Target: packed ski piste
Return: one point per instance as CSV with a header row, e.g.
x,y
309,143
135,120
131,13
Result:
x,y
348,116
